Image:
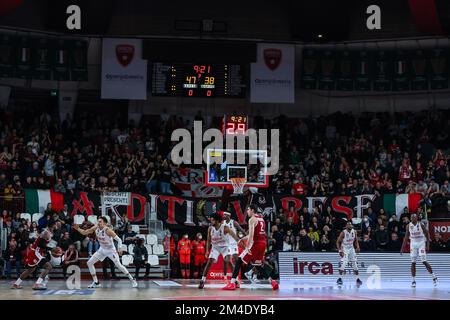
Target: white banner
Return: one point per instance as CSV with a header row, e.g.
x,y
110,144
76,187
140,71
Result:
x,y
124,72
272,76
390,266
116,198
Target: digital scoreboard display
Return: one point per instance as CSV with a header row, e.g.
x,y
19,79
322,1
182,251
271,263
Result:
x,y
234,124
198,80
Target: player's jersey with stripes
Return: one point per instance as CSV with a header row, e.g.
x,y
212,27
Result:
x,y
106,242
349,239
218,236
416,232
230,225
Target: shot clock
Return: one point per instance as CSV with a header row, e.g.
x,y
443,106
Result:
x,y
198,80
234,124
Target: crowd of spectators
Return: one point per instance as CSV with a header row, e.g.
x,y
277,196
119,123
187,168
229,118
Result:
x,y
336,154
339,154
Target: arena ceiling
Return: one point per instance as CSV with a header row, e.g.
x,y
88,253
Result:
x,y
283,20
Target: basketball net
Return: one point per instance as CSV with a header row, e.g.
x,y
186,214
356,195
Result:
x,y
238,184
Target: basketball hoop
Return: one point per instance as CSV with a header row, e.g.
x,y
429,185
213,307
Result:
x,y
238,184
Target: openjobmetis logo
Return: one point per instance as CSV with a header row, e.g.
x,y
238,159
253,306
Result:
x,y
272,58
124,54
312,267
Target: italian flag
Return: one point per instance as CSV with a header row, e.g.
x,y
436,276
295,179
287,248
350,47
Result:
x,y
396,203
36,200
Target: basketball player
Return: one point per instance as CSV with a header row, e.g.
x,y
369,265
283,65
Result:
x,y
198,251
420,244
346,245
255,249
105,237
36,258
218,243
233,245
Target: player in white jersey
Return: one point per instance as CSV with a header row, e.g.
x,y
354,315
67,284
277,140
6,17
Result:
x,y
217,244
233,245
105,237
420,244
348,246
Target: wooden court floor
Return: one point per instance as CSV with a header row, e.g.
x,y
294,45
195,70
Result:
x,y
187,290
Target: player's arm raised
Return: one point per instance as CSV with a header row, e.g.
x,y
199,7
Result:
x,y
113,235
84,232
405,239
339,243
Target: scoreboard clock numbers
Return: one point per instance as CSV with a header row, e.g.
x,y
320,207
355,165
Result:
x,y
234,125
198,80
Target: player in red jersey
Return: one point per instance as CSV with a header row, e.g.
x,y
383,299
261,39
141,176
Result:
x,y
198,251
36,258
255,249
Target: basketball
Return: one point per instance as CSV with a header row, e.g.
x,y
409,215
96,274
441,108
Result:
x,y
57,252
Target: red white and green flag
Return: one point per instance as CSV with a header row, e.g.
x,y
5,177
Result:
x,y
393,203
37,200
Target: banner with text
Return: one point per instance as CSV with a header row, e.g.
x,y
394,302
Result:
x,y
272,76
347,207
179,212
124,72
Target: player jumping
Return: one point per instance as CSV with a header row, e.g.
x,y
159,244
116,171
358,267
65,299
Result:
x,y
218,243
420,244
233,245
255,249
346,245
105,237
36,258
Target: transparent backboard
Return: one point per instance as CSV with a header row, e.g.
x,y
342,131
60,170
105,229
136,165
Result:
x,y
225,164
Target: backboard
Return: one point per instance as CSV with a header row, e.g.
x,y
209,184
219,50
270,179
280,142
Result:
x,y
225,164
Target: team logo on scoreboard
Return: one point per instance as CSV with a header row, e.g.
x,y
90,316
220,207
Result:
x,y
272,57
124,54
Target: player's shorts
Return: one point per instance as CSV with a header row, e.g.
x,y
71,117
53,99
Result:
x,y
199,259
39,264
418,248
102,254
219,251
349,256
185,258
254,255
234,248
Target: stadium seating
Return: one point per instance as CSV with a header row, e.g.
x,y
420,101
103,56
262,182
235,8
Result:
x,y
158,249
153,260
25,216
127,259
36,217
92,219
152,239
78,219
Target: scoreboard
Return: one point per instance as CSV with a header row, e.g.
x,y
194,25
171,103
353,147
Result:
x,y
234,124
198,80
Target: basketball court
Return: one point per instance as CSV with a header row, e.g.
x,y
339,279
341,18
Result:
x,y
187,290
